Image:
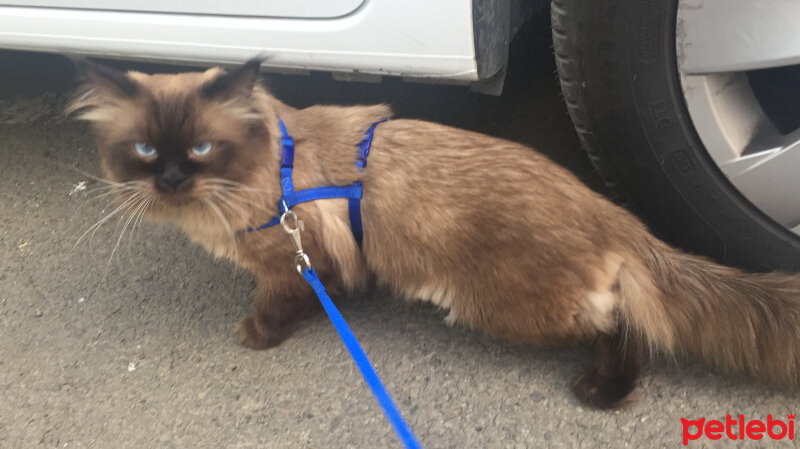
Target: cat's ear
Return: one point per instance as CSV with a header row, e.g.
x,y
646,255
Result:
x,y
238,83
105,78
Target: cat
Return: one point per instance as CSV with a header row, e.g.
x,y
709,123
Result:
x,y
506,241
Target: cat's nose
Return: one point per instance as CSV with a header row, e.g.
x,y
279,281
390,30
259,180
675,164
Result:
x,y
173,180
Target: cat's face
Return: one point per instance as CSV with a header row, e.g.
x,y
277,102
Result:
x,y
176,138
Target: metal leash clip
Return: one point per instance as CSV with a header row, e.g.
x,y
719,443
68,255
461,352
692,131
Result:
x,y
293,226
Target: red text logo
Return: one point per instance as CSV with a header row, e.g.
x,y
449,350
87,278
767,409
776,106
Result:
x,y
738,429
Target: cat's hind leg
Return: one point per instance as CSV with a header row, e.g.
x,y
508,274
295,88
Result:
x,y
609,379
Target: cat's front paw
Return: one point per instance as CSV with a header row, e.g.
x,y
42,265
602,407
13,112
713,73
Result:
x,y
251,337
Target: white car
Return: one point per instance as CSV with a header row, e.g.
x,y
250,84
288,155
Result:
x,y
689,108
357,38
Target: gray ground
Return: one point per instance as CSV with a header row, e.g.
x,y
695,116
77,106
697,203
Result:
x,y
139,353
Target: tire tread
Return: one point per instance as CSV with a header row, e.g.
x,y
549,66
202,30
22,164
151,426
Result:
x,y
566,45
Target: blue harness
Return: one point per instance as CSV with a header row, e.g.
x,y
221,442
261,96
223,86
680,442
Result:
x,y
291,198
353,192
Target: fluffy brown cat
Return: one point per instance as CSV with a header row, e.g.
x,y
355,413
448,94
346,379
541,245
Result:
x,y
508,242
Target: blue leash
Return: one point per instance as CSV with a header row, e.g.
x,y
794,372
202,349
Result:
x,y
293,226
362,362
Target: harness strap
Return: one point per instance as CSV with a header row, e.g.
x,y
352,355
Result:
x,y
287,159
365,144
352,192
354,204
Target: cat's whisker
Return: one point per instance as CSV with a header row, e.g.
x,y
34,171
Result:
x,y
136,224
109,188
233,193
232,200
215,209
228,198
236,185
231,203
241,193
235,196
122,185
122,188
90,200
120,222
112,190
123,213
124,201
101,179
142,201
226,202
95,226
138,215
258,235
95,189
224,181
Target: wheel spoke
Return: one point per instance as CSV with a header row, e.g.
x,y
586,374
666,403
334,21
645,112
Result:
x,y
733,35
770,179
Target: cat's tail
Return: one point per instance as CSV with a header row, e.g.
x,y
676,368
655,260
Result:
x,y
737,321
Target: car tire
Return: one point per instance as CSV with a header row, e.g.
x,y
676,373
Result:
x,y
617,65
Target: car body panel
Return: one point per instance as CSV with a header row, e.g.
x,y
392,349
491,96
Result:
x,y
310,9
413,38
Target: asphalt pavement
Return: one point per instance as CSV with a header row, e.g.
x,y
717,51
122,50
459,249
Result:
x,y
138,350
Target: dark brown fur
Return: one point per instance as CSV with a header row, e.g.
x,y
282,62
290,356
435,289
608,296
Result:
x,y
508,242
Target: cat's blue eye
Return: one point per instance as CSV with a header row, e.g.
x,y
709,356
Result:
x,y
144,149
202,148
